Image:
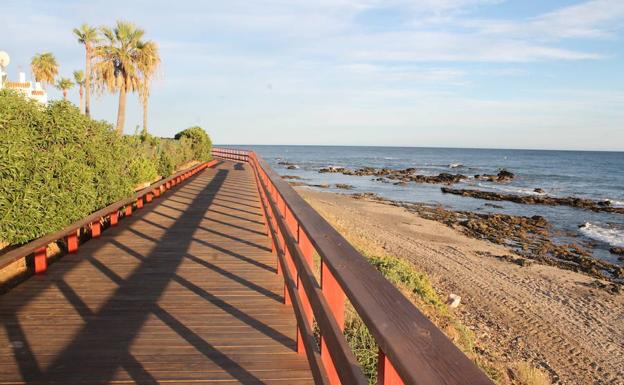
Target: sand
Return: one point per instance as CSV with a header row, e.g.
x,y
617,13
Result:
x,y
549,317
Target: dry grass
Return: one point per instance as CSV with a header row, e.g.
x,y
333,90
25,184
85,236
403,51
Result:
x,y
527,374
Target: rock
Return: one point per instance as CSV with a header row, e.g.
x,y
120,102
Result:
x,y
403,176
344,186
453,300
290,177
538,190
617,250
583,203
366,195
292,167
332,169
504,175
523,262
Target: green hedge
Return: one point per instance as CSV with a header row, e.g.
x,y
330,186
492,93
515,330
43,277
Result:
x,y
57,165
199,141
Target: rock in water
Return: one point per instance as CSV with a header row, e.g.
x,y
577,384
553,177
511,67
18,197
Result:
x,y
453,300
504,175
617,250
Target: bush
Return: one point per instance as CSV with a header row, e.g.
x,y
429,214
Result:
x,y
200,142
57,165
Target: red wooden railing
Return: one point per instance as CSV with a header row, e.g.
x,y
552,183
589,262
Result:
x,y
93,223
412,350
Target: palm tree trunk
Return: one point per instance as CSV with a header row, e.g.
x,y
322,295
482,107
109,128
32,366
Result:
x,y
121,111
88,81
145,101
64,94
82,110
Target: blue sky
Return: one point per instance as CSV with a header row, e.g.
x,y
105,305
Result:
x,y
457,73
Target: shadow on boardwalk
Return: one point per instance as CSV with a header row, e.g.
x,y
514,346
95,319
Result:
x,y
184,290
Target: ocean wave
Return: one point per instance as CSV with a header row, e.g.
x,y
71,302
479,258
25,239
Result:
x,y
613,237
615,203
455,165
511,189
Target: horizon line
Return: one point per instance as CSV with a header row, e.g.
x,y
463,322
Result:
x,y
434,147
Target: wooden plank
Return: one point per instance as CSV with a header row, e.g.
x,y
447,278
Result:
x,y
183,291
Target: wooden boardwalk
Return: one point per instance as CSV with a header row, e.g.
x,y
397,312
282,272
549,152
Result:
x,y
183,292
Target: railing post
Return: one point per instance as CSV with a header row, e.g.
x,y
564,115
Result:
x,y
96,229
335,298
114,216
386,374
72,242
41,260
287,257
139,202
148,197
157,192
129,210
308,254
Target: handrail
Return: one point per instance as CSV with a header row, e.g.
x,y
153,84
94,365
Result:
x,y
412,349
110,213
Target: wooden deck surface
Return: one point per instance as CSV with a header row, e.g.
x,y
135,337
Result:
x,y
183,292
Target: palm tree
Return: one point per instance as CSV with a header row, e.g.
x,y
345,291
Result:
x,y
44,67
80,81
88,36
116,63
148,64
64,84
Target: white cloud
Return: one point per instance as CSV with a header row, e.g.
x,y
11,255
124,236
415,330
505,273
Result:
x,y
595,19
246,67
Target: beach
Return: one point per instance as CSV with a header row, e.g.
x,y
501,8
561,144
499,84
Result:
x,y
556,319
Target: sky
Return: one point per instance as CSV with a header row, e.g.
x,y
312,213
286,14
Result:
x,y
445,73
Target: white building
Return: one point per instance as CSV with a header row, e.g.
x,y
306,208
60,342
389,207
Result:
x,y
32,90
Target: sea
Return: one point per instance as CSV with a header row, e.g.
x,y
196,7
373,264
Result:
x,y
587,174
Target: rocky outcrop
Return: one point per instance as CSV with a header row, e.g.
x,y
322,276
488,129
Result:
x,y
288,165
617,250
583,203
530,237
398,177
344,186
502,176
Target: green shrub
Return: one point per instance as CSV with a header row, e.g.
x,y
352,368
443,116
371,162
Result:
x,y
200,142
53,161
57,165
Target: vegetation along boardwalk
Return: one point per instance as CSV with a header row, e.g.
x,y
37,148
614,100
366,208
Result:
x,y
224,275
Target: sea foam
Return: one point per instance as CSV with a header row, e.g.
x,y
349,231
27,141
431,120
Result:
x,y
613,237
615,203
511,189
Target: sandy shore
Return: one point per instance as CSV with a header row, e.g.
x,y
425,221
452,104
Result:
x,y
550,317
